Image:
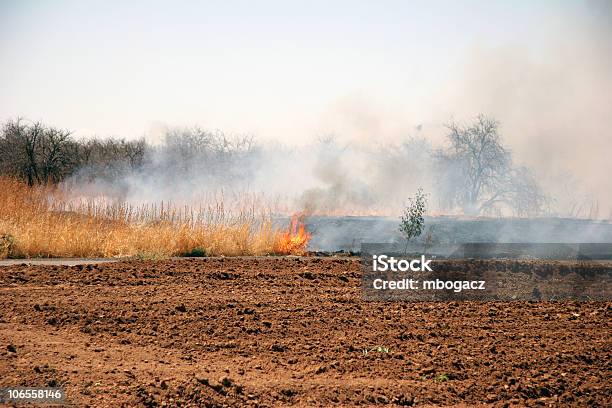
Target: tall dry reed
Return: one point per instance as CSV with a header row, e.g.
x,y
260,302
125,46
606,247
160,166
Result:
x,y
43,222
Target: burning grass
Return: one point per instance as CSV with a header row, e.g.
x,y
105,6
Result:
x,y
43,222
295,239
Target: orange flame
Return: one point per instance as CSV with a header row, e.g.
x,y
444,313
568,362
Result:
x,y
295,240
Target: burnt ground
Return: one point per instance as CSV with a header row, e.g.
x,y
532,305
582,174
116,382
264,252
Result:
x,y
287,331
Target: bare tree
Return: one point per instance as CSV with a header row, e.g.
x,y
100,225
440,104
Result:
x,y
214,154
110,159
19,148
56,155
12,156
37,153
480,176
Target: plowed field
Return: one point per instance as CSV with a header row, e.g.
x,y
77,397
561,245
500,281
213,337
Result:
x,y
287,331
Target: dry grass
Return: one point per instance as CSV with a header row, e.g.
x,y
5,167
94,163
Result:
x,y
41,222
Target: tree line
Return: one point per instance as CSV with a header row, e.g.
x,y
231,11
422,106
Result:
x,y
40,154
473,172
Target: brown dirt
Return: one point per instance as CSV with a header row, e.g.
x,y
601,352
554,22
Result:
x,y
283,331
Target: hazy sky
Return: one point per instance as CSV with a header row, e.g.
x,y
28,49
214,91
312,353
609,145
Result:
x,y
292,71
282,69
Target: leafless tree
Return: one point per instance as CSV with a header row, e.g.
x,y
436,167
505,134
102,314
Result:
x,y
34,152
56,155
110,159
213,154
13,157
479,173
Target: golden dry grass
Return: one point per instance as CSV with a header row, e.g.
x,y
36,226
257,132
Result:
x,y
42,222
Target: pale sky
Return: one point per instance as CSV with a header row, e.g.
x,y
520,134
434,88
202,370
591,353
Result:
x,y
286,70
292,71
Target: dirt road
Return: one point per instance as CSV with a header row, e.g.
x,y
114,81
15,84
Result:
x,y
270,332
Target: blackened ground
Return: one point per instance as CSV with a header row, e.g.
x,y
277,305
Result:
x,y
283,331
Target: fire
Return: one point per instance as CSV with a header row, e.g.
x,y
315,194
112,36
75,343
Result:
x,y
295,240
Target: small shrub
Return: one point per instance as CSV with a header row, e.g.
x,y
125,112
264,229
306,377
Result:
x,y
197,252
412,221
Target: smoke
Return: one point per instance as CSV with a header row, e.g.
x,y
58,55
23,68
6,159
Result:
x,y
327,177
553,100
554,107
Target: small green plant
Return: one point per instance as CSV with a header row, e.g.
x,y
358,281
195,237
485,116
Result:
x,y
412,221
441,378
378,349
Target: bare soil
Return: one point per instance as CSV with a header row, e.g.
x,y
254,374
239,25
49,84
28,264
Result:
x,y
287,331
